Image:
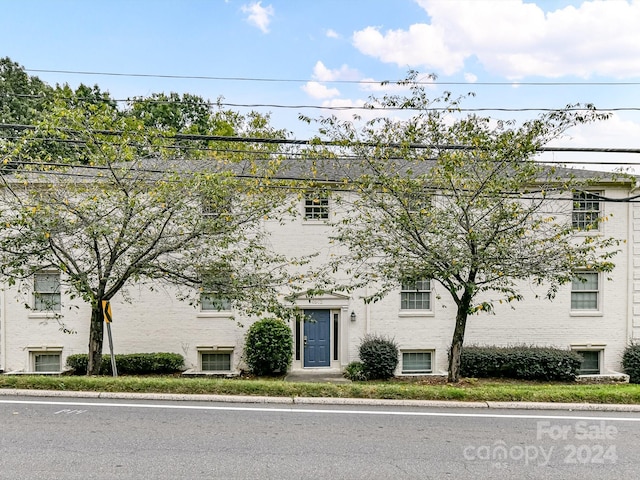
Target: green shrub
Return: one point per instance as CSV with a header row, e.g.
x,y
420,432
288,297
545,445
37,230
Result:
x,y
631,362
355,372
268,347
78,362
520,362
379,357
131,364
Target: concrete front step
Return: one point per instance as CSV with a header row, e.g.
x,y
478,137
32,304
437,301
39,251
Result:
x,y
316,376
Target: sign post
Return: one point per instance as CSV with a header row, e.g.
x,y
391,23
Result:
x,y
106,311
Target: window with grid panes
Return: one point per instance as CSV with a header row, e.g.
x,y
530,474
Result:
x,y
216,206
212,302
585,291
212,296
586,211
416,295
316,206
215,362
46,291
416,362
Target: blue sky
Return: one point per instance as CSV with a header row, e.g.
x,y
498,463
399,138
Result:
x,y
313,46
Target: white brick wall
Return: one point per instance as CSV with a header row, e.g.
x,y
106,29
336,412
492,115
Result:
x,y
156,321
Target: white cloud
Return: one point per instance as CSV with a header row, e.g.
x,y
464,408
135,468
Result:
x,y
515,39
321,73
345,109
615,131
259,16
470,77
376,85
332,33
324,74
318,90
343,103
420,45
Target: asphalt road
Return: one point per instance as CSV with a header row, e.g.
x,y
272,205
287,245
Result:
x,y
144,439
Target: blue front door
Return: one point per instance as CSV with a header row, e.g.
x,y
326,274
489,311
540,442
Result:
x,y
317,338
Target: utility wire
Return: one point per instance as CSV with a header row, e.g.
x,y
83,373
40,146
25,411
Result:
x,y
328,107
298,80
330,143
301,154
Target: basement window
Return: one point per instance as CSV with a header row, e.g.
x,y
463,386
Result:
x,y
590,362
417,362
45,359
215,359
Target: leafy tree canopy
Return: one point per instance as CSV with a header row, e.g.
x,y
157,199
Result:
x,y
22,96
460,200
104,198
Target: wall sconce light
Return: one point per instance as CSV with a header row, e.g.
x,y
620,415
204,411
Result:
x,y
352,316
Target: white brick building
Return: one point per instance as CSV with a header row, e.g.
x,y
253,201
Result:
x,y
603,318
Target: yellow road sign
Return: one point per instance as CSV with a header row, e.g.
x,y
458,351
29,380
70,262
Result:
x,y
106,310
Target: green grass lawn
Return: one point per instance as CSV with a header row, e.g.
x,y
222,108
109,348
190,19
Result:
x,y
468,390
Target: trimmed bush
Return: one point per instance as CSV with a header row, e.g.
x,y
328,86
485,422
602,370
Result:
x,y
631,362
78,362
131,364
520,362
379,357
355,372
268,347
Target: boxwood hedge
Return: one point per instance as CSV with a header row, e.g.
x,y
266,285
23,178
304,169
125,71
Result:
x,y
131,364
520,362
268,347
631,362
379,357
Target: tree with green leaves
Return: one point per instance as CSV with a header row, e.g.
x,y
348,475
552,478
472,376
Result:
x,y
22,97
198,125
117,209
459,200
25,101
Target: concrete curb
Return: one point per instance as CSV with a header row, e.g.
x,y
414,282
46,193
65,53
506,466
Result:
x,y
175,397
386,402
596,407
579,407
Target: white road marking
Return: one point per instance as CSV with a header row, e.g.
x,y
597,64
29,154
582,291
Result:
x,y
69,411
315,410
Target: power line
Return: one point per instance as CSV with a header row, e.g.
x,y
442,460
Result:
x,y
301,154
335,108
320,142
299,80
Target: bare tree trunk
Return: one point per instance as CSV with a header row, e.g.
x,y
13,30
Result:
x,y
96,337
455,351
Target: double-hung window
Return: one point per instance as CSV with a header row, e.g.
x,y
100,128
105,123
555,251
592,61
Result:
x,y
215,206
586,211
585,291
213,301
215,294
46,291
416,295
